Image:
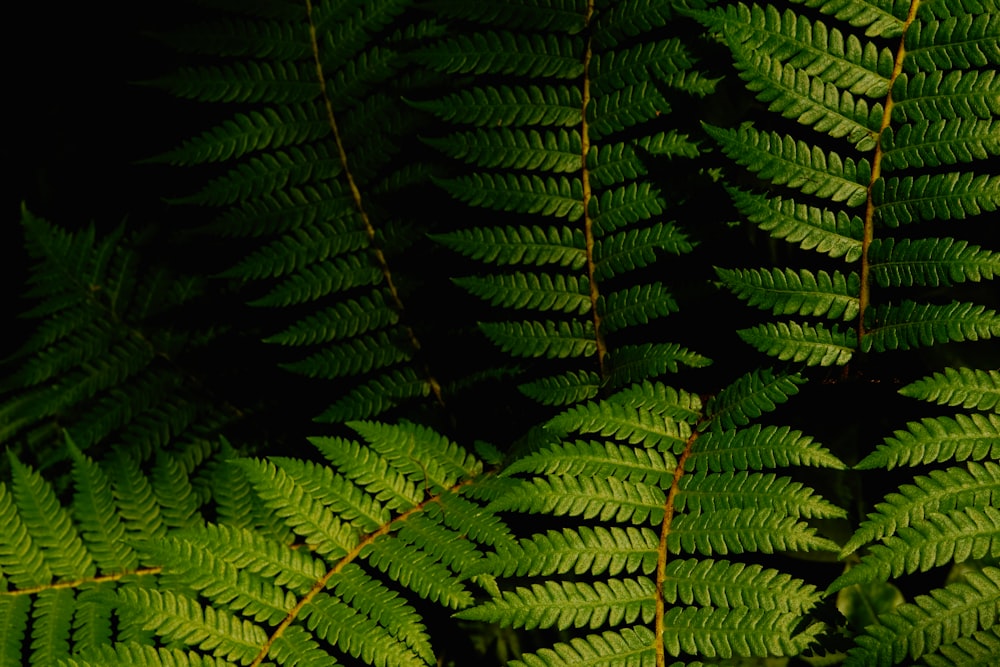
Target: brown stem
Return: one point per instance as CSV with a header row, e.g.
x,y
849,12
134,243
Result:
x,y
864,297
588,222
380,258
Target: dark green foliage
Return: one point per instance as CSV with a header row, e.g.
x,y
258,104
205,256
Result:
x,y
309,169
579,165
432,210
108,352
850,88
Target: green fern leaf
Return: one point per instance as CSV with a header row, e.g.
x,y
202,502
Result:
x,y
320,280
963,41
834,234
981,648
572,387
638,305
930,262
740,530
182,619
520,245
751,396
503,106
558,197
785,161
571,605
507,53
796,293
633,363
813,345
610,647
809,45
951,196
708,493
49,524
911,325
377,396
623,422
556,151
959,438
346,319
946,94
757,448
945,142
248,133
970,388
598,459
724,584
548,339
937,539
977,485
618,253
352,357
878,19
930,622
528,290
596,551
809,100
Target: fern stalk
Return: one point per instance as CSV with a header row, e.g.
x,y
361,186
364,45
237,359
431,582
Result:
x,y
375,249
352,556
588,221
864,293
662,554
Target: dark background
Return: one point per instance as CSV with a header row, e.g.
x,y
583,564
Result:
x,y
78,119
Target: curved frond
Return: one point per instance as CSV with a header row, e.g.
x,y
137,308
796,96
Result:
x,y
655,500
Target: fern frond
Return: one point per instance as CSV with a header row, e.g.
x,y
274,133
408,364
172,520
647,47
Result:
x,y
931,622
939,538
930,262
951,196
586,172
382,525
796,293
103,360
785,161
910,324
633,363
647,501
553,196
808,45
960,438
810,100
549,56
536,339
758,448
529,290
813,345
751,396
947,94
922,107
623,423
832,233
309,171
554,151
572,387
535,246
968,387
506,106
977,485
945,142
